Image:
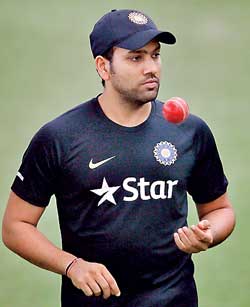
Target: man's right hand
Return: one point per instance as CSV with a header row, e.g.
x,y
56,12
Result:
x,y
93,279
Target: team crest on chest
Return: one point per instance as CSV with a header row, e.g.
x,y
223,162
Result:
x,y
165,153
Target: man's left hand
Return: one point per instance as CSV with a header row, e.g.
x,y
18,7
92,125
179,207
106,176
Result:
x,y
195,239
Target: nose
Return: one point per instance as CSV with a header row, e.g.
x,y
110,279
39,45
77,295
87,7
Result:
x,y
151,66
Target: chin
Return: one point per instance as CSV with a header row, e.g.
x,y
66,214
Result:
x,y
149,97
140,99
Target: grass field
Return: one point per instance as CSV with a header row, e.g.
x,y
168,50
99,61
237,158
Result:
x,y
47,68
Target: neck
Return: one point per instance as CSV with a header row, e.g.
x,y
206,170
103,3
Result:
x,y
123,112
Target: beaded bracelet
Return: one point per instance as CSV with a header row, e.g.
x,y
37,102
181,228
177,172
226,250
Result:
x,y
69,265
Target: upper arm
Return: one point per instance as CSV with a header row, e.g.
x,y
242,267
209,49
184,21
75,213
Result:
x,y
221,202
19,210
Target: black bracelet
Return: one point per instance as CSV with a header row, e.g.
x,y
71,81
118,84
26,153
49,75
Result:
x,y
69,265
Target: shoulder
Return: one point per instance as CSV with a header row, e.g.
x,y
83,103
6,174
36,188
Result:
x,y
60,133
75,117
69,123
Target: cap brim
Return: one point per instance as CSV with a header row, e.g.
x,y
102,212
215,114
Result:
x,y
142,38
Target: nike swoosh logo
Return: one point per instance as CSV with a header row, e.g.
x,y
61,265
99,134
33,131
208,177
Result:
x,y
93,165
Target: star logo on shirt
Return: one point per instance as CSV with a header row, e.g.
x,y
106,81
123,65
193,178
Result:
x,y
106,192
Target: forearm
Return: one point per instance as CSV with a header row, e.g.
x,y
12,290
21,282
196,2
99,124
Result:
x,y
28,242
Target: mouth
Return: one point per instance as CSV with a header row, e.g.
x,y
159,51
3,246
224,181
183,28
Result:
x,y
152,81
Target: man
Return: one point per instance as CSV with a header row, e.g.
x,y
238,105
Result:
x,y
120,173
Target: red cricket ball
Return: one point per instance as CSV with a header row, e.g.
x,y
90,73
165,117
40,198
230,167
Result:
x,y
175,110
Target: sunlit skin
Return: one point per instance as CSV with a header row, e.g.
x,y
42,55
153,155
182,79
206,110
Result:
x,y
135,75
132,81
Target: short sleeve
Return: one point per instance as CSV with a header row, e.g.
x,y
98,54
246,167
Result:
x,y
36,177
207,181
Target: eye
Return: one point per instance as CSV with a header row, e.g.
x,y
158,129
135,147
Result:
x,y
136,58
156,55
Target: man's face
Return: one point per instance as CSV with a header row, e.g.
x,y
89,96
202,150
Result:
x,y
135,75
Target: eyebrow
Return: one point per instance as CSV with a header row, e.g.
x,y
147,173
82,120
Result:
x,y
144,50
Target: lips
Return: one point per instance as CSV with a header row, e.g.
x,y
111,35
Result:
x,y
151,84
152,81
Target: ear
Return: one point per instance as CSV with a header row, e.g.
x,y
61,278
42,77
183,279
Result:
x,y
102,67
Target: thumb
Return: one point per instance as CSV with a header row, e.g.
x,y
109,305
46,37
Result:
x,y
204,224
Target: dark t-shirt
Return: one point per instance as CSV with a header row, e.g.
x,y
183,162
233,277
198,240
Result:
x,y
121,194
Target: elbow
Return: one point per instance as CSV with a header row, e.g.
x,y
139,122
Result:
x,y
10,237
5,235
233,219
9,233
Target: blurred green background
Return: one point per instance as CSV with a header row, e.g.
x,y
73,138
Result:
x,y
46,68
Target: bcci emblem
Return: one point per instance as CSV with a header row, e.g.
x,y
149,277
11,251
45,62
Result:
x,y
165,153
138,18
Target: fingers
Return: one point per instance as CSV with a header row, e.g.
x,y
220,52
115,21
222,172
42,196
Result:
x,y
93,279
86,290
94,287
194,239
204,224
111,282
179,243
104,286
201,235
189,242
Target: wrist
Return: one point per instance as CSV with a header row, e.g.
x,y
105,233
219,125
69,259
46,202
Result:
x,y
70,265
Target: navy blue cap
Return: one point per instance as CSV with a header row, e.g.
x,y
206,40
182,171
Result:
x,y
129,29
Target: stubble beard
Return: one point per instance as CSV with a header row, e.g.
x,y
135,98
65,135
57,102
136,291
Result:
x,y
133,96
